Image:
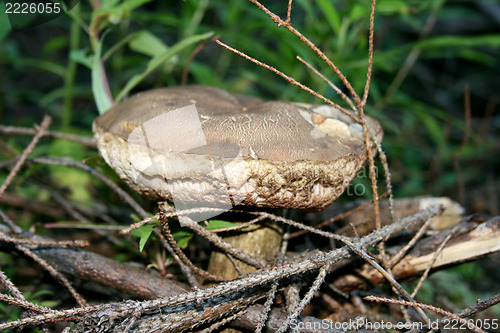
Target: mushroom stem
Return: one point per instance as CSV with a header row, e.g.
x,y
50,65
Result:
x,y
260,240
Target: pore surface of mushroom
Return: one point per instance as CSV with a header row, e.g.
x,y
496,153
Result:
x,y
203,146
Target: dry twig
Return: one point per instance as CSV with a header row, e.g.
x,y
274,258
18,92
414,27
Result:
x,y
58,135
467,323
248,283
39,132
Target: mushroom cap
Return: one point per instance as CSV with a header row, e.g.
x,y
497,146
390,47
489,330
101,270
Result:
x,y
202,146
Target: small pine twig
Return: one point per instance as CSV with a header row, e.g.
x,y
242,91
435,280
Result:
x,y
330,83
137,225
276,19
427,307
306,299
182,256
63,280
370,54
287,78
7,284
48,134
395,285
337,217
398,256
289,12
431,263
23,303
465,139
39,133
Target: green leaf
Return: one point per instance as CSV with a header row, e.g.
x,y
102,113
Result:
x,y
144,234
108,3
39,293
144,231
115,12
182,238
390,7
492,40
358,12
434,127
159,60
439,43
219,224
81,57
119,45
478,56
147,43
131,4
42,65
99,81
331,14
5,27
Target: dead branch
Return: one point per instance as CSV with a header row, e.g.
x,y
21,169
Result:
x,y
126,278
64,161
15,169
470,241
258,282
54,272
276,19
37,207
469,324
58,135
362,220
290,79
184,260
209,303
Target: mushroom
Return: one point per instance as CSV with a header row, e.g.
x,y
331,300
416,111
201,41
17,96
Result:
x,y
199,146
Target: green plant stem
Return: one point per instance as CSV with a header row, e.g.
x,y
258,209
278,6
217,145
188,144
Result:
x,y
411,58
160,59
196,19
69,77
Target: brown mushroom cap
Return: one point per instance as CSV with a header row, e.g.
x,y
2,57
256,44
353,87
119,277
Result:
x,y
203,146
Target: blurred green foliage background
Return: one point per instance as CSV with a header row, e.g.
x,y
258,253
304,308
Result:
x,y
426,53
